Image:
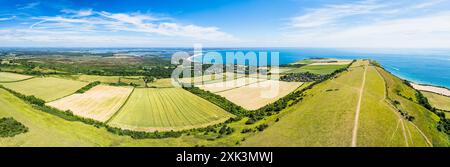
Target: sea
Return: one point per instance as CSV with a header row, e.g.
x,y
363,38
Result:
x,y
424,66
431,67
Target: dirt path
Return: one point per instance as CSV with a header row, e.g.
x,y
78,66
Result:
x,y
423,135
400,117
404,134
358,109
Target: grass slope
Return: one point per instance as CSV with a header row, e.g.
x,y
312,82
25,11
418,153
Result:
x,y
47,88
425,120
326,115
321,119
167,109
380,124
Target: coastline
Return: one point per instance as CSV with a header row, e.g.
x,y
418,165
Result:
x,y
431,88
441,90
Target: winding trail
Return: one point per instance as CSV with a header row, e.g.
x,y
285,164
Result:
x,y
358,109
393,108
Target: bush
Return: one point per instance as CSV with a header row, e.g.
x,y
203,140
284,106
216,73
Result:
x,y
250,121
87,87
9,127
246,130
262,127
219,101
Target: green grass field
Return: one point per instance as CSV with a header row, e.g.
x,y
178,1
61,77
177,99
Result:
x,y
11,77
317,69
47,88
321,119
425,120
438,101
380,124
167,109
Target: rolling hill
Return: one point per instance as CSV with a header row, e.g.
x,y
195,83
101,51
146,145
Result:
x,y
365,106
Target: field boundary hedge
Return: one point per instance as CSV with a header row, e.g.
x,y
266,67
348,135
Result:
x,y
120,108
258,114
39,104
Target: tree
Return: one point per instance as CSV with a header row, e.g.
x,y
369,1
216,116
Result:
x,y
148,79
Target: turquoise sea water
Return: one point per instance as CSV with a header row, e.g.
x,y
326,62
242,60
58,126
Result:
x,y
426,67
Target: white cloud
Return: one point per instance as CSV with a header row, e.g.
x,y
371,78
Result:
x,y
427,4
92,28
123,22
29,5
332,13
378,26
78,13
7,18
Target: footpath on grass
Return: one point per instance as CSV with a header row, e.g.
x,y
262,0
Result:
x,y
358,108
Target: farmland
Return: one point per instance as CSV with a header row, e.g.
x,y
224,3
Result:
x,y
251,96
49,130
439,101
229,84
98,103
167,109
323,116
323,61
316,69
11,77
129,80
46,88
211,78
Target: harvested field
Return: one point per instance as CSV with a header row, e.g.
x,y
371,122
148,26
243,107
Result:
x,y
434,89
230,84
98,103
167,109
438,101
212,78
47,88
11,77
251,96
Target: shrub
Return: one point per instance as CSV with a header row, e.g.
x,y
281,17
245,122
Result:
x,y
250,121
246,130
87,87
262,127
9,127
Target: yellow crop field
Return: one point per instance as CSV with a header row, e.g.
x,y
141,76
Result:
x,y
47,88
11,77
251,96
98,103
165,109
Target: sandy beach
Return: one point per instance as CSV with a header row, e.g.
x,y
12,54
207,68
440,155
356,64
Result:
x,y
434,89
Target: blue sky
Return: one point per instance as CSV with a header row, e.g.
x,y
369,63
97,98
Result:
x,y
226,23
